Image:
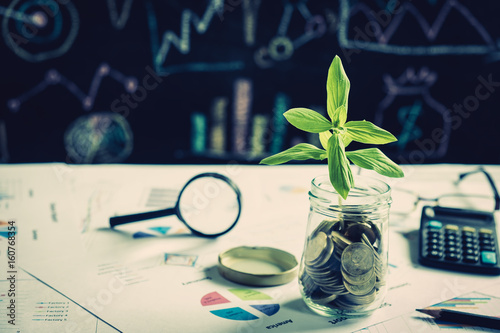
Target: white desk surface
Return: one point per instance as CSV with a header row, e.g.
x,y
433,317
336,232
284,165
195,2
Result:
x,y
74,274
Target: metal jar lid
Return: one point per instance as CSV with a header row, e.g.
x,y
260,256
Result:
x,y
258,266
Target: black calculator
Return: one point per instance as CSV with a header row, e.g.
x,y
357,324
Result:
x,y
459,239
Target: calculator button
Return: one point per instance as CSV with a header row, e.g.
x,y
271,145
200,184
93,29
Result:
x,y
452,227
485,235
452,237
484,231
453,249
434,235
434,247
452,244
467,234
471,252
434,254
469,229
434,224
471,246
472,259
488,248
468,240
488,258
433,241
452,257
488,242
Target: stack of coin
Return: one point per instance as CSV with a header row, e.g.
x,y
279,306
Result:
x,y
342,264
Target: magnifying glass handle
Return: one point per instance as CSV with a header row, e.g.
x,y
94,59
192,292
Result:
x,y
117,220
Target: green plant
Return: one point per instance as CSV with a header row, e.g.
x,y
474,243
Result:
x,y
336,134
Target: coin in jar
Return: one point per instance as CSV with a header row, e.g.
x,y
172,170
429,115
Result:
x,y
357,259
315,248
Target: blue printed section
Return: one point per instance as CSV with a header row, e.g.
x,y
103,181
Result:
x,y
141,234
161,230
267,309
234,314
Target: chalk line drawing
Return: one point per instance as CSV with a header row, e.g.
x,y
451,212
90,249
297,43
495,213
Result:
x,y
38,30
250,16
182,41
53,77
118,21
281,47
414,85
383,32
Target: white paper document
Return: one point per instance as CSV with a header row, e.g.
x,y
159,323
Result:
x,y
156,277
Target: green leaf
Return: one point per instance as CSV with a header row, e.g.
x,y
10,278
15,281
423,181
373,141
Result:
x,y
339,116
324,137
346,139
366,132
307,120
374,159
337,87
338,166
300,152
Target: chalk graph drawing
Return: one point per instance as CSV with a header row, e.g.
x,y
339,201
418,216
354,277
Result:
x,y
38,30
233,130
53,77
119,20
381,27
281,47
161,47
422,128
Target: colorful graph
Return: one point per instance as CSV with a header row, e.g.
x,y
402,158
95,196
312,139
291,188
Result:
x,y
472,303
240,304
249,135
51,311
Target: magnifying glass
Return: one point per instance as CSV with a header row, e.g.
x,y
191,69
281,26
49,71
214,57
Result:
x,y
209,205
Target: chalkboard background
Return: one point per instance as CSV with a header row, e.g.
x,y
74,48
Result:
x,y
182,81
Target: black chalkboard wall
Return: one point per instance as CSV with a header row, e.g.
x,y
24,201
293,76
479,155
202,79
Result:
x,y
207,81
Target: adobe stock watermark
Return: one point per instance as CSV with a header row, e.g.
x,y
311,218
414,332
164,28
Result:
x,y
455,117
131,100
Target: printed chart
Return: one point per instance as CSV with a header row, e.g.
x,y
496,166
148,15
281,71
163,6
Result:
x,y
474,302
240,304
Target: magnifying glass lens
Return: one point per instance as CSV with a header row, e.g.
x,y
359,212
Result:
x,y
209,205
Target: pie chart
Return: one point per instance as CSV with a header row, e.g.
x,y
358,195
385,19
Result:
x,y
240,304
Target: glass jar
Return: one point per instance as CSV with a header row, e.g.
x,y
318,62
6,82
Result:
x,y
343,269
